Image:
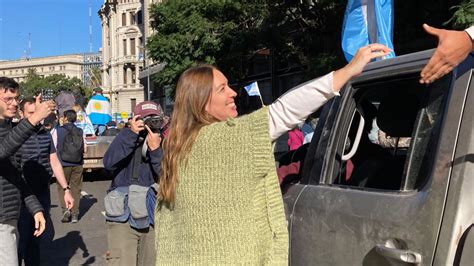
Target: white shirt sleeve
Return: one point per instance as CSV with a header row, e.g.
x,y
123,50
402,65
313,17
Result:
x,y
470,31
297,104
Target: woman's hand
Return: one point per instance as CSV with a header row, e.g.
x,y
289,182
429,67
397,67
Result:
x,y
40,224
363,56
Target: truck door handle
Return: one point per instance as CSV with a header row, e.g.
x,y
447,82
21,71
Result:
x,y
398,254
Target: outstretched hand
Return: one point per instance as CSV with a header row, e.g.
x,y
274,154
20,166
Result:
x,y
453,48
363,56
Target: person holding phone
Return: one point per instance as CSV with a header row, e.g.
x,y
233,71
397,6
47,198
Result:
x,y
13,188
37,159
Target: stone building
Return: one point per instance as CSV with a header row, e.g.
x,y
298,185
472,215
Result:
x,y
72,65
125,27
69,65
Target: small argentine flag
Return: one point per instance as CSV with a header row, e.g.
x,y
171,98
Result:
x,y
98,110
252,89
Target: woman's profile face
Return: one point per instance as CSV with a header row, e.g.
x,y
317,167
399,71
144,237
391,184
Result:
x,y
221,104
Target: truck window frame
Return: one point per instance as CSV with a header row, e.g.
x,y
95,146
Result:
x,y
410,180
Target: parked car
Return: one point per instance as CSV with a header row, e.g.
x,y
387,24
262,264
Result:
x,y
388,178
96,148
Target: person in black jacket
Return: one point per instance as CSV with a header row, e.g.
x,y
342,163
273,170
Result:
x,y
13,188
38,160
134,158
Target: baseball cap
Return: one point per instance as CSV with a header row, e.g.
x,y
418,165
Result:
x,y
147,108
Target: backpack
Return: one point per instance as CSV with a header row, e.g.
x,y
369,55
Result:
x,y
73,146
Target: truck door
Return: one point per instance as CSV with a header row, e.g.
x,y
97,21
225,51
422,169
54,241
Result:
x,y
374,191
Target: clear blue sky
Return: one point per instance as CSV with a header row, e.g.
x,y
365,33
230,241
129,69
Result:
x,y
57,27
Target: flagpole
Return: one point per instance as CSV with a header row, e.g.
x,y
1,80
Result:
x,y
261,100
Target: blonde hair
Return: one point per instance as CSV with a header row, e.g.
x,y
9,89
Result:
x,y
193,91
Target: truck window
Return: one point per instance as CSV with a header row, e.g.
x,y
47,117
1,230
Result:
x,y
402,122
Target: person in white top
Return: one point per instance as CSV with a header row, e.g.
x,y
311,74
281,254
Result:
x,y
453,48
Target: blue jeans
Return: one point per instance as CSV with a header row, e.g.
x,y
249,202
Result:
x,y
29,246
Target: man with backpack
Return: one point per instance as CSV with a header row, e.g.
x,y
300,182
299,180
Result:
x,y
71,151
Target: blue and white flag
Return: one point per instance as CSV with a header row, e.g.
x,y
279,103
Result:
x,y
252,89
98,110
84,123
365,22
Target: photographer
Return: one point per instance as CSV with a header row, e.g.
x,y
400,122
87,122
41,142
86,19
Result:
x,y
134,159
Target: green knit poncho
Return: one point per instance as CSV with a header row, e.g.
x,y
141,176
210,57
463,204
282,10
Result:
x,y
228,207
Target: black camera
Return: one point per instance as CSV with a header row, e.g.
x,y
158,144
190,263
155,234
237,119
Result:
x,y
154,123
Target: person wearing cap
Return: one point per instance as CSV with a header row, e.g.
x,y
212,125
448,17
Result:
x,y
111,129
134,159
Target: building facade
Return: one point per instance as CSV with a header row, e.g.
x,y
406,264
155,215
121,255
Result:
x,y
72,66
69,65
125,27
92,63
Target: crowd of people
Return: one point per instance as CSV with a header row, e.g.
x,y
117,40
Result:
x,y
218,200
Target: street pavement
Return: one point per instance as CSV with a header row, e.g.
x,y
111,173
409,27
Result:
x,y
83,243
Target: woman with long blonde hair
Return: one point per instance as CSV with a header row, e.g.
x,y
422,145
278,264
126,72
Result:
x,y
219,198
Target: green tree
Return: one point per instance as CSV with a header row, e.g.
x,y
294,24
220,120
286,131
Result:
x,y
302,35
34,83
223,33
463,16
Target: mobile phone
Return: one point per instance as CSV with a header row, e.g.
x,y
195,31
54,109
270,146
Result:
x,y
47,94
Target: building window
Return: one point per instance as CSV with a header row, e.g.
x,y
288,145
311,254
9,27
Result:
x,y
132,18
140,17
124,19
134,75
132,46
125,75
124,47
133,103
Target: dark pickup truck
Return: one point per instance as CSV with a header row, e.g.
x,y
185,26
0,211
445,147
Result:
x,y
388,178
